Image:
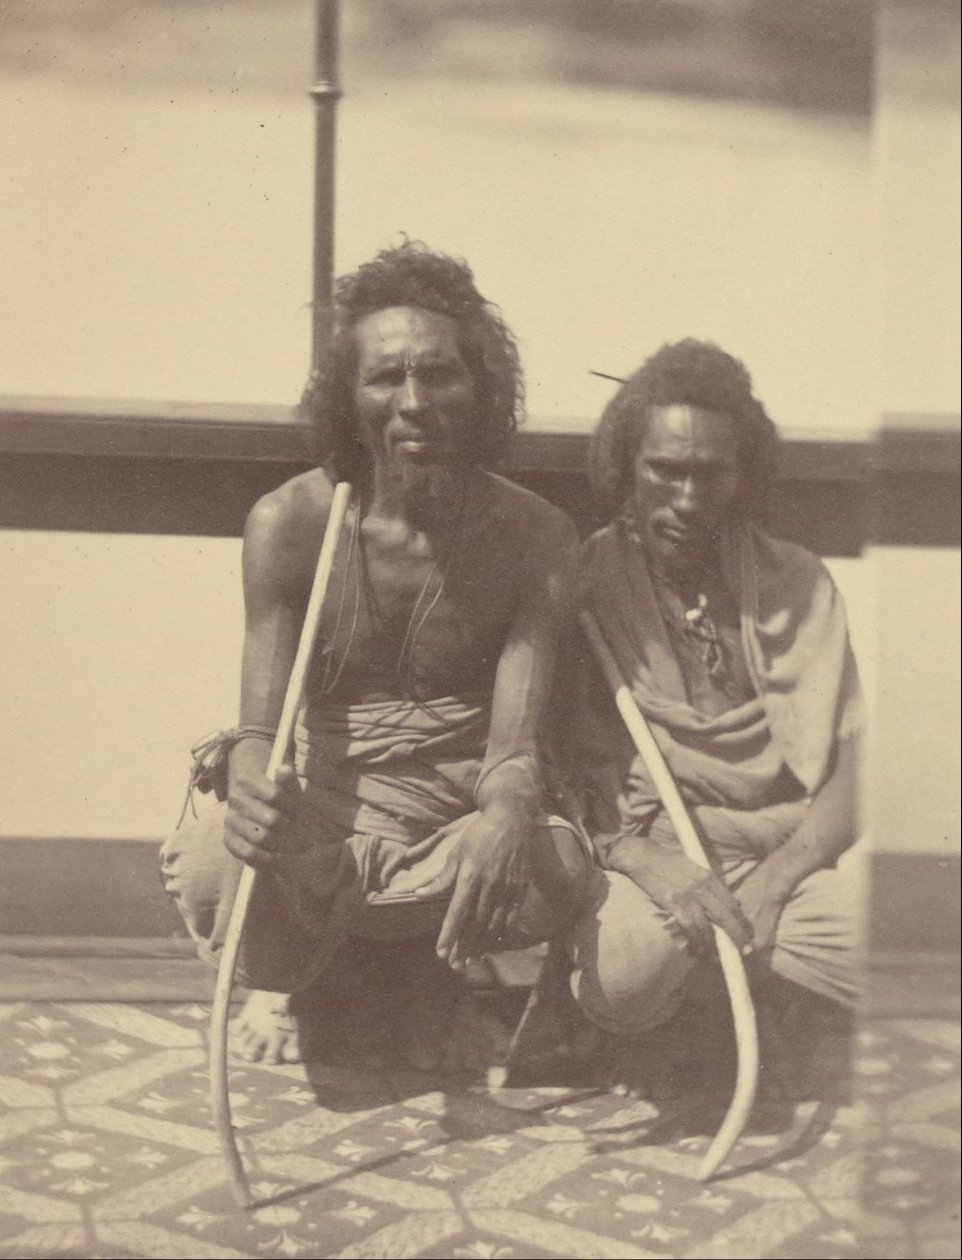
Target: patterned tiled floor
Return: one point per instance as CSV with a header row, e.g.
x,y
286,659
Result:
x,y
107,1151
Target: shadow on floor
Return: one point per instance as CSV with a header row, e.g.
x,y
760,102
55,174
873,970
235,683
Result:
x,y
109,1152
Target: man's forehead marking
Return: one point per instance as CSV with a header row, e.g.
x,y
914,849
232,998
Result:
x,y
403,333
684,429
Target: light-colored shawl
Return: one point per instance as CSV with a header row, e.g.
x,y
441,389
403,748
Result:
x,y
795,640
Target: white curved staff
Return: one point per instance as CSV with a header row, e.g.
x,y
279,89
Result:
x,y
219,1097
733,968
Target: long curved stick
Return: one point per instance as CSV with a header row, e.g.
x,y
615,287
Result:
x,y
220,1100
733,968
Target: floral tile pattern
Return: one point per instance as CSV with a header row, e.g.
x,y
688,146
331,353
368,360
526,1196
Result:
x,y
106,1150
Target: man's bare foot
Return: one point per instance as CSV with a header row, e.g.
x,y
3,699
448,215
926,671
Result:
x,y
266,1031
666,1063
554,1044
440,1029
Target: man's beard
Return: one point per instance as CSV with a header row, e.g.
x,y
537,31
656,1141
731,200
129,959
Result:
x,y
428,493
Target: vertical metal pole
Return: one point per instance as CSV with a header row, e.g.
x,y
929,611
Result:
x,y
326,92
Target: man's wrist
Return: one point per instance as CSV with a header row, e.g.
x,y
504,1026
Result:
x,y
616,850
249,752
213,757
513,788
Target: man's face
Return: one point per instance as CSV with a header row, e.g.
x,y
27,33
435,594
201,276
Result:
x,y
414,397
686,484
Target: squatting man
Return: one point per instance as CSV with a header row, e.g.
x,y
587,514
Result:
x,y
735,646
411,834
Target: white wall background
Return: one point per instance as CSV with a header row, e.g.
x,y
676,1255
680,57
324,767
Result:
x,y
156,245
121,651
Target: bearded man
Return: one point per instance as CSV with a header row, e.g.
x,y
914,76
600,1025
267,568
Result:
x,y
410,835
735,647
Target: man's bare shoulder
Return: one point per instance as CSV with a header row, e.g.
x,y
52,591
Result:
x,y
294,514
601,538
283,536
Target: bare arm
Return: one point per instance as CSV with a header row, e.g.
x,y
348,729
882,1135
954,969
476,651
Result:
x,y
493,871
829,828
511,773
694,897
280,542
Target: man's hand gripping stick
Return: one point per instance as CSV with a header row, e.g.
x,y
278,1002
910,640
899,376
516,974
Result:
x,y
220,1100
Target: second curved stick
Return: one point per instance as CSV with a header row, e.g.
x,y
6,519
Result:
x,y
733,968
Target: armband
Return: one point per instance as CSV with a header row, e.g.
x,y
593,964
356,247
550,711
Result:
x,y
211,756
526,763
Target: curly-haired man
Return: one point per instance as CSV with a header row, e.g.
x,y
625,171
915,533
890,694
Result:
x,y
736,649
410,836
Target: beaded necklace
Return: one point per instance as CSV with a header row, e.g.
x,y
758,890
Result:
x,y
696,627
689,619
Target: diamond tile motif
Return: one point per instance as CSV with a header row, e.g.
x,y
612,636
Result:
x,y
107,1151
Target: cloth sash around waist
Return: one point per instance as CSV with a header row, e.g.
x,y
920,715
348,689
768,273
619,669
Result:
x,y
398,769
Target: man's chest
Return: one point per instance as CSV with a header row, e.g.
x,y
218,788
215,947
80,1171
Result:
x,y
393,621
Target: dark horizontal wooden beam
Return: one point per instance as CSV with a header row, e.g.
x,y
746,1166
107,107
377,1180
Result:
x,y
144,430
254,431
187,468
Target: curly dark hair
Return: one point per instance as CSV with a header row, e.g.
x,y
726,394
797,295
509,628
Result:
x,y
694,372
412,275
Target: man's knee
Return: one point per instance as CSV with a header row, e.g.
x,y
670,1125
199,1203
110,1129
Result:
x,y
561,867
559,873
630,965
196,868
202,877
816,939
